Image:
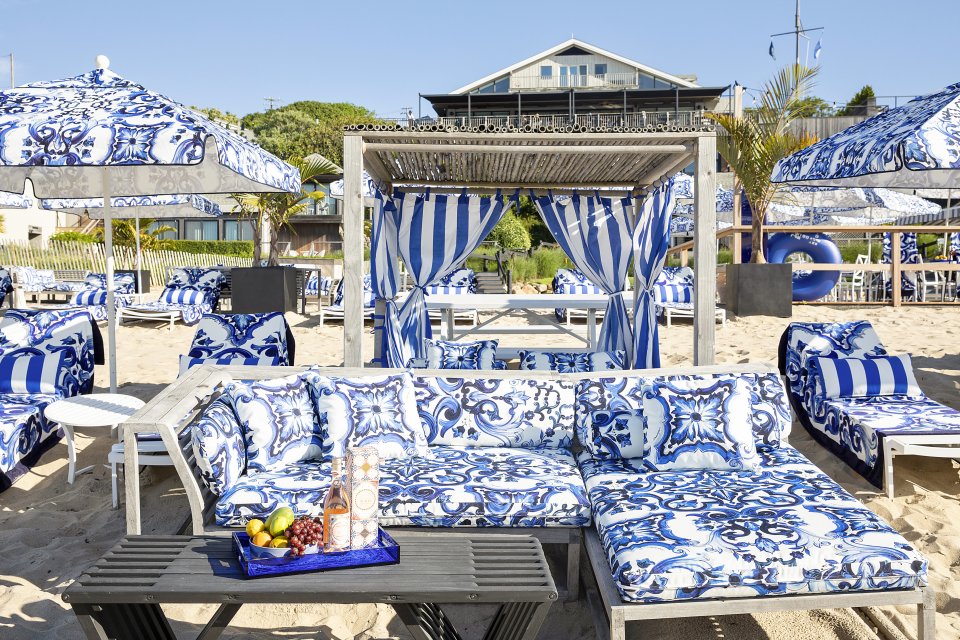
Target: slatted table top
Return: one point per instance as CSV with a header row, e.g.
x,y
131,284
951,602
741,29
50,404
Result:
x,y
441,567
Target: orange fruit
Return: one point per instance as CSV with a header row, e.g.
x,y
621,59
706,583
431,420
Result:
x,y
262,539
254,527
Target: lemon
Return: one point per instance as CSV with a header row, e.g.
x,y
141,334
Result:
x,y
254,527
280,542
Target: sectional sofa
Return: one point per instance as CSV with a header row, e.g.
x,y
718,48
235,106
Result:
x,y
691,500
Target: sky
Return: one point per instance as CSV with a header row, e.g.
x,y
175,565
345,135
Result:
x,y
232,55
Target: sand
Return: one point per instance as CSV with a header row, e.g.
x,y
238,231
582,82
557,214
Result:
x,y
50,531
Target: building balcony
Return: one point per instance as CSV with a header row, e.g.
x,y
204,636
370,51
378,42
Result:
x,y
594,121
607,81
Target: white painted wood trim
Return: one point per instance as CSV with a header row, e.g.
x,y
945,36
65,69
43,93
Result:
x,y
705,251
353,313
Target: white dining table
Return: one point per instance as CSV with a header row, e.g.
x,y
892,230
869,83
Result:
x,y
504,304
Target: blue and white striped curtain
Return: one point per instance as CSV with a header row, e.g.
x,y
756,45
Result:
x,y
384,277
595,233
436,233
651,239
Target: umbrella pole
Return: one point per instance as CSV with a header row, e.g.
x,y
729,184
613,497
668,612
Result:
x,y
137,267
108,255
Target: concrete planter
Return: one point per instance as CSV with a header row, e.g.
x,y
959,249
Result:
x,y
263,289
757,289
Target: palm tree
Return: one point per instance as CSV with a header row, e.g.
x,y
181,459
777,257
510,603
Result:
x,y
125,233
274,210
753,143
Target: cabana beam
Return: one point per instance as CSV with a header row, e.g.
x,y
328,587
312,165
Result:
x,y
399,147
705,252
353,251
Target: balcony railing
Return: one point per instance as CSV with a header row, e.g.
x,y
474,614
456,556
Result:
x,y
601,121
575,81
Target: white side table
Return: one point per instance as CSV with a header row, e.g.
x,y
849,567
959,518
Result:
x,y
93,410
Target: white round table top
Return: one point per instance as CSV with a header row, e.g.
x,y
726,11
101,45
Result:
x,y
93,410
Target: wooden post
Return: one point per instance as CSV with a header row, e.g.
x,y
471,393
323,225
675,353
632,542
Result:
x,y
705,250
352,251
737,213
895,284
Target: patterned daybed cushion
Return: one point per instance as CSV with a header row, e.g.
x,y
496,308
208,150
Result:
x,y
24,432
241,338
570,362
445,354
193,291
457,282
122,282
571,281
455,486
853,428
785,528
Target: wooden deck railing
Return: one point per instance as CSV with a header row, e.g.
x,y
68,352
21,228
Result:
x,y
893,271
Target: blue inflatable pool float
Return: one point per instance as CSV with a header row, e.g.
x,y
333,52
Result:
x,y
807,285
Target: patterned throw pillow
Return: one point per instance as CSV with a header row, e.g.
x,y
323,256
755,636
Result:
x,y
617,434
772,417
31,373
279,423
865,377
461,355
218,446
89,298
173,295
187,363
699,425
563,362
379,411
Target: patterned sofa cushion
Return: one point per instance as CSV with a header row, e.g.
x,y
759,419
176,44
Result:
x,y
441,354
39,373
23,429
242,335
122,282
218,446
864,377
566,362
379,411
488,412
785,528
279,421
699,425
456,486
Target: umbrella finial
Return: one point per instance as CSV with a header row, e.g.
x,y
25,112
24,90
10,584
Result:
x,y
102,62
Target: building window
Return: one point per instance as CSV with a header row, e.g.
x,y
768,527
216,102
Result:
x,y
546,71
171,234
200,230
573,76
500,85
600,69
238,230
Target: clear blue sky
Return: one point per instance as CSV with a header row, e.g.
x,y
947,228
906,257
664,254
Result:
x,y
381,55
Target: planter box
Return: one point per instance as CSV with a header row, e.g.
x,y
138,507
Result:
x,y
757,289
263,289
144,279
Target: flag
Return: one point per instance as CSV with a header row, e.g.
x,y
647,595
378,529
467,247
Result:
x,y
816,50
771,51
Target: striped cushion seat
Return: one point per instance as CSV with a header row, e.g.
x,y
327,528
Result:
x,y
179,295
30,373
673,293
187,363
865,377
89,298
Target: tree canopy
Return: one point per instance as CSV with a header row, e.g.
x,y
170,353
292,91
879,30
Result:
x,y
306,127
813,107
857,102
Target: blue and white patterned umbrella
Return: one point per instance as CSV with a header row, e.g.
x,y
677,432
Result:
x,y
916,145
14,201
166,206
100,135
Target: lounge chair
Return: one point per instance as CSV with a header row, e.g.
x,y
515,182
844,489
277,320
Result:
x,y
335,310
190,293
318,286
6,287
93,297
67,344
673,295
458,282
868,427
689,539
573,281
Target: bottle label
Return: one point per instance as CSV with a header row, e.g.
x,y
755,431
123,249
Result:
x,y
339,531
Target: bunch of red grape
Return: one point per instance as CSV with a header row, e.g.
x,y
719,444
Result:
x,y
304,532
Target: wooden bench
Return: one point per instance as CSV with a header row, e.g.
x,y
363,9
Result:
x,y
120,595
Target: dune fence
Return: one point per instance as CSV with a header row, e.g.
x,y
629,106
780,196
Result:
x,y
84,256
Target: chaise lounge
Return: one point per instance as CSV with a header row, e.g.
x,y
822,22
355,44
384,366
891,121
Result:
x,y
190,293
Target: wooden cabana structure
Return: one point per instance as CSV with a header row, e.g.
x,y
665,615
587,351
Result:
x,y
480,162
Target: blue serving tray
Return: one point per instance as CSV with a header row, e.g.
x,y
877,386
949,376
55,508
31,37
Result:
x,y
387,552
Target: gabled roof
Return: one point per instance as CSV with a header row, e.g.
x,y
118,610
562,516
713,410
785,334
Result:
x,y
566,44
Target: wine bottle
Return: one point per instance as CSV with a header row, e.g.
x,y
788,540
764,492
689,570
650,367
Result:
x,y
336,513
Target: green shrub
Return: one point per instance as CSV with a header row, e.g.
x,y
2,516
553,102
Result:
x,y
510,233
524,269
239,248
73,236
541,265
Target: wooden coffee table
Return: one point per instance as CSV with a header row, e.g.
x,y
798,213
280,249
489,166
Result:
x,y
120,595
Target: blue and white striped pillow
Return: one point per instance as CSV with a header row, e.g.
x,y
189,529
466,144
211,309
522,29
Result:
x,y
866,377
673,293
175,295
187,363
89,298
31,373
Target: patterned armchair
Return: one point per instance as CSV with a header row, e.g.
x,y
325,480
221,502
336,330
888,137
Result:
x,y
62,347
190,293
241,338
